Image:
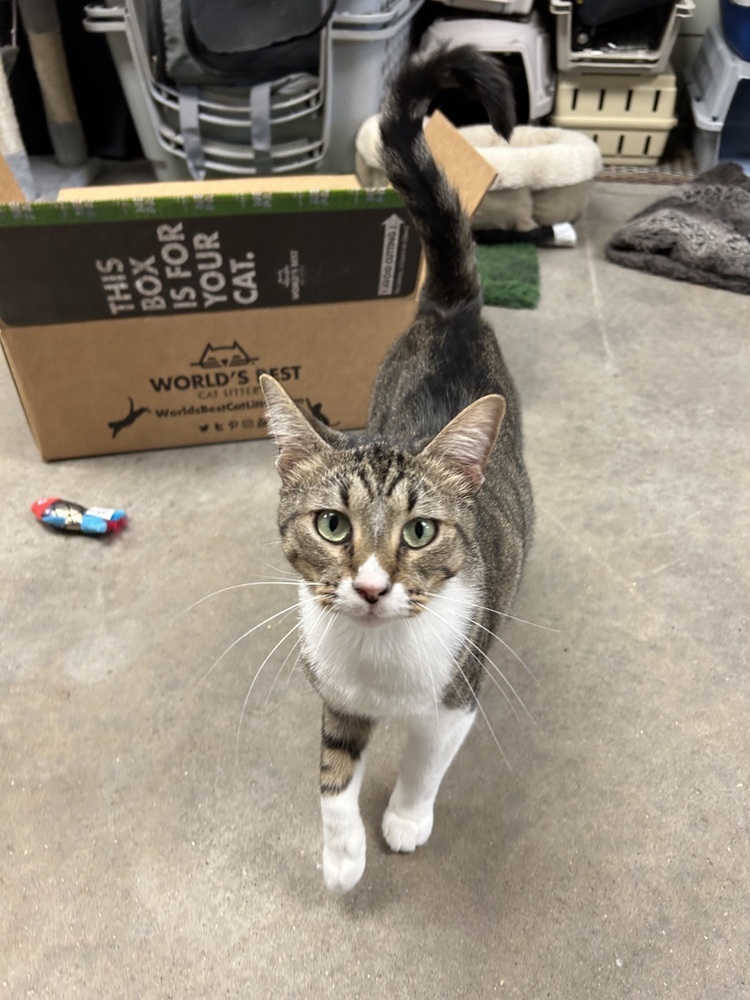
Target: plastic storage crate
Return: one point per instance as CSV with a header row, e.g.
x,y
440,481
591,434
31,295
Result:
x,y
298,110
503,8
346,8
367,52
718,84
527,39
629,118
627,60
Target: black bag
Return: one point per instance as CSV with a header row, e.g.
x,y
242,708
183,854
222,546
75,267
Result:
x,y
235,42
248,44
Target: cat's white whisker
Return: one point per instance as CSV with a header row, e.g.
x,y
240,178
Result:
x,y
236,586
244,635
294,665
502,641
483,667
510,649
283,571
299,646
497,684
494,611
484,716
257,675
325,631
410,626
502,676
281,668
487,657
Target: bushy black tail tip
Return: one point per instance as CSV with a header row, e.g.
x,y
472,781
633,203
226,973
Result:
x,y
483,76
420,84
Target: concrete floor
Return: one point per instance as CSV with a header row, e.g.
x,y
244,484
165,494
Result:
x,y
157,842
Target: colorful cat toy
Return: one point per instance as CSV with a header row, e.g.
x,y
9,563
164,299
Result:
x,y
69,516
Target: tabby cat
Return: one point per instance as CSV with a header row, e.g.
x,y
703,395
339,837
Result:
x,y
406,537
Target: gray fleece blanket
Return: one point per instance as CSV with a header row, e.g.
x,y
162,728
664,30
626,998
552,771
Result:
x,y
699,233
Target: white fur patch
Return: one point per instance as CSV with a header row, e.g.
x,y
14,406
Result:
x,y
372,576
344,842
433,743
371,660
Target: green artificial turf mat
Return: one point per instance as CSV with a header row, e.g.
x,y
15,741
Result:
x,y
510,274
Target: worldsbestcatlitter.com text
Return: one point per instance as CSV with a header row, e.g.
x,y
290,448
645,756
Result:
x,y
202,409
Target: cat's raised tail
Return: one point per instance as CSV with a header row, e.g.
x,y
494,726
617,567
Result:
x,y
433,203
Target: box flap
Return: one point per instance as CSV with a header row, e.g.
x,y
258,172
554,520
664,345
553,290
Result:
x,y
465,168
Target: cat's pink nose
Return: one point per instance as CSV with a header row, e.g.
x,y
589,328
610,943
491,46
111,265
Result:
x,y
371,582
372,592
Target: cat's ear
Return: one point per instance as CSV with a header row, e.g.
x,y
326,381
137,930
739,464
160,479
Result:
x,y
466,442
294,436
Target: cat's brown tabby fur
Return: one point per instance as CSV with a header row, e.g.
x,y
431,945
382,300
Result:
x,y
408,537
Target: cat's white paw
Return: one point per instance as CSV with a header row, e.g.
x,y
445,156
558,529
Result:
x,y
344,860
405,830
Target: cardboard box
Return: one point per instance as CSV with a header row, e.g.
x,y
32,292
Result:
x,y
140,317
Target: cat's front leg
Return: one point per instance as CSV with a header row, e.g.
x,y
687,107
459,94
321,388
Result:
x,y
433,742
342,764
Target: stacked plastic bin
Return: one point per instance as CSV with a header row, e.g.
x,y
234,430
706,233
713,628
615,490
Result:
x,y
502,8
719,87
214,133
371,42
616,84
514,34
307,121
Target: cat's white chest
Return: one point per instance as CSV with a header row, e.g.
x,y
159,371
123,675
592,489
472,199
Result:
x,y
395,669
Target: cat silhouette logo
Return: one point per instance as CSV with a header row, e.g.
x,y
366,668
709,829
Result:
x,y
130,418
233,356
317,411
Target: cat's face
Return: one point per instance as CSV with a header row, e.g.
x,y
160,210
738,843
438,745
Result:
x,y
376,532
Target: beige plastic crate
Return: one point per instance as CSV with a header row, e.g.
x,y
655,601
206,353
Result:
x,y
615,60
628,117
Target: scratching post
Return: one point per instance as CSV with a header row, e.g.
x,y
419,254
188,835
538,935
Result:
x,y
42,26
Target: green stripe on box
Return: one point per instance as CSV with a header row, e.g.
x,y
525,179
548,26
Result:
x,y
191,207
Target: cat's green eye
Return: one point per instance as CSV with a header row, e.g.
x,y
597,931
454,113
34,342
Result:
x,y
419,532
333,526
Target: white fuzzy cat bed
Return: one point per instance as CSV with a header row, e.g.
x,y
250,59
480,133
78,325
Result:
x,y
544,175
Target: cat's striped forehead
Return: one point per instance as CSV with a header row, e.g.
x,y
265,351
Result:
x,y
380,473
375,475
375,485
372,477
